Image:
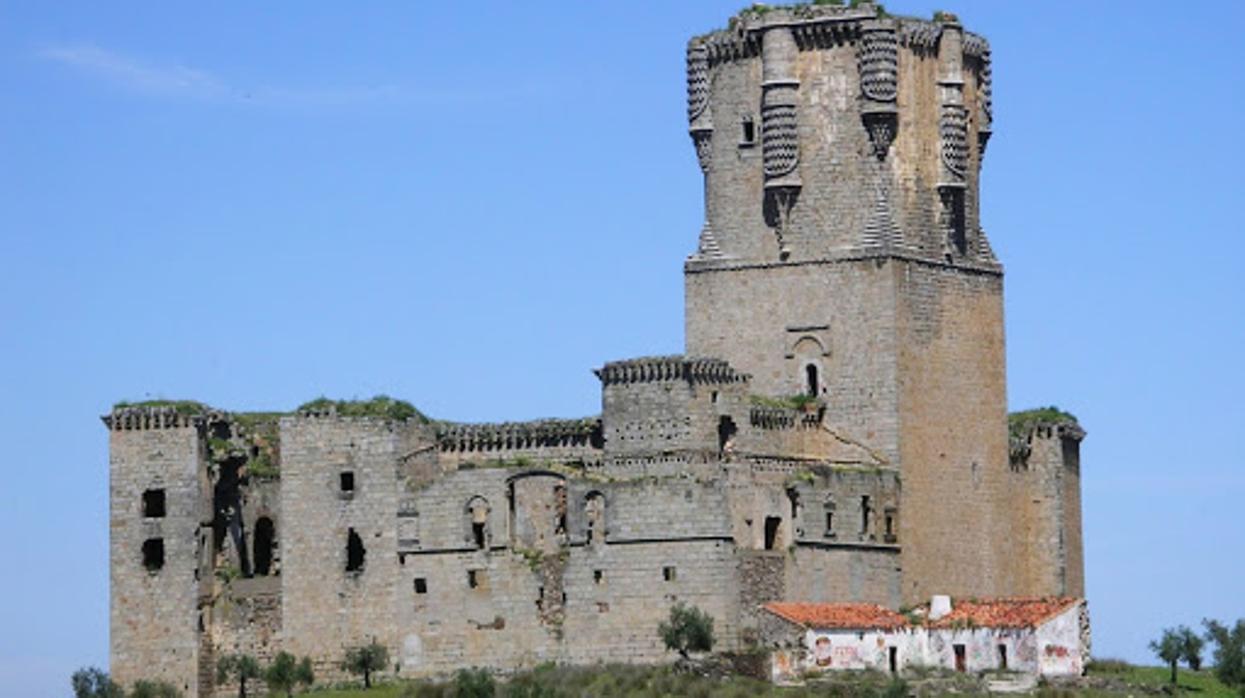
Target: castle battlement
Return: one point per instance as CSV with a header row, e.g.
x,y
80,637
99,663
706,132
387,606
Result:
x,y
669,368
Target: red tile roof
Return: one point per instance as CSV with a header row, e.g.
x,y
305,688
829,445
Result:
x,y
853,616
1002,613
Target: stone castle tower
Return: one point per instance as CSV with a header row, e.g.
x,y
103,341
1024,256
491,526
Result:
x,y
837,430
842,254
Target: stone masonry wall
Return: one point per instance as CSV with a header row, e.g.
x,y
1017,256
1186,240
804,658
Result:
x,y
956,528
326,607
773,322
153,616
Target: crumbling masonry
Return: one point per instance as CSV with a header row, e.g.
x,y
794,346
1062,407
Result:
x,y
836,432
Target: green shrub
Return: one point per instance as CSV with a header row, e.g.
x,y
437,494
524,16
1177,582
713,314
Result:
x,y
474,683
688,629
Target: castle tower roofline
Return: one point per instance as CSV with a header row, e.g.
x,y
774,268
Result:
x,y
652,369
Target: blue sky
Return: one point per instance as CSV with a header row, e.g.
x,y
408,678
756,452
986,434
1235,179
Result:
x,y
471,206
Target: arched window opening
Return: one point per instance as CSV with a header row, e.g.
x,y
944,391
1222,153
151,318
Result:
x,y
265,539
594,515
813,386
477,518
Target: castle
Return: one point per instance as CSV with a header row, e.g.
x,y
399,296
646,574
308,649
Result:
x,y
837,430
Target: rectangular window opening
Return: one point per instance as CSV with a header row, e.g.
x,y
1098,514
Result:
x,y
347,481
772,525
669,574
153,504
748,136
153,554
865,511
475,579
421,585
1003,657
598,576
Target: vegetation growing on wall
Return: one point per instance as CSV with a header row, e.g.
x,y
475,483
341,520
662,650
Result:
x,y
381,406
1019,424
183,407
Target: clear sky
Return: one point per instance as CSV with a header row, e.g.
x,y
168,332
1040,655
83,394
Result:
x,y
471,205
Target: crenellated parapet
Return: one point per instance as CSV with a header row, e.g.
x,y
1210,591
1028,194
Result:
x,y
142,417
543,433
656,369
780,418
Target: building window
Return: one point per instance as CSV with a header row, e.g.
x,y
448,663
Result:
x,y
153,504
669,573
829,510
475,579
726,432
598,576
772,527
865,511
1003,657
812,385
153,554
888,517
346,481
355,552
594,515
265,541
477,519
961,658
421,585
748,131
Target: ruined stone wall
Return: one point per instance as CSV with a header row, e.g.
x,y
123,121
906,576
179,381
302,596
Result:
x,y
326,607
154,611
1045,494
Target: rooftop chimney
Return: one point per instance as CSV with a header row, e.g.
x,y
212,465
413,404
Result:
x,y
939,606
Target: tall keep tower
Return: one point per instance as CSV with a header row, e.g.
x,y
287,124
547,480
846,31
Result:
x,y
842,256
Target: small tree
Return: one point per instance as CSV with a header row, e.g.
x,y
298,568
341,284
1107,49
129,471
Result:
x,y
154,689
366,659
1191,648
689,629
238,666
1229,652
91,682
286,672
1168,648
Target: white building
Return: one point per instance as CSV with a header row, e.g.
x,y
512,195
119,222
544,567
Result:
x,y
1039,636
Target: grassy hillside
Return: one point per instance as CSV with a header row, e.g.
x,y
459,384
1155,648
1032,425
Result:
x,y
1108,680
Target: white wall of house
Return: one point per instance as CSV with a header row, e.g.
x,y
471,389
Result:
x,y
1054,648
